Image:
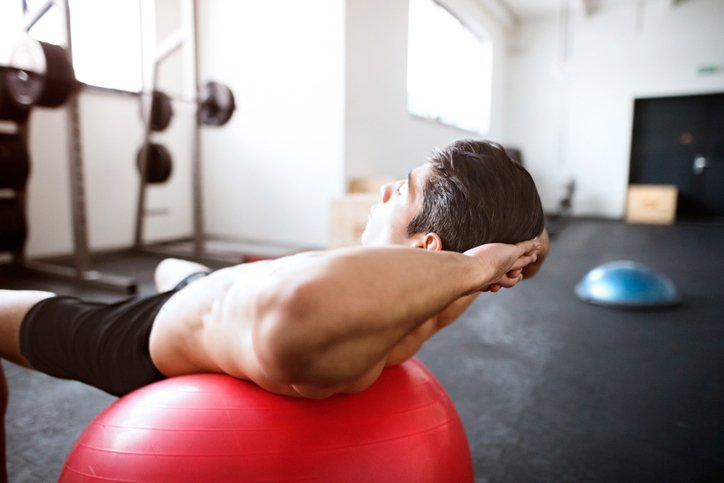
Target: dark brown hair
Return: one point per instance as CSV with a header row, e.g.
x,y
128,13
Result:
x,y
476,194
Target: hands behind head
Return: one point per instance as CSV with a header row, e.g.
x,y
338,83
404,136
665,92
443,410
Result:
x,y
503,264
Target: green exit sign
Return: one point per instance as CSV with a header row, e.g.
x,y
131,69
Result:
x,y
709,69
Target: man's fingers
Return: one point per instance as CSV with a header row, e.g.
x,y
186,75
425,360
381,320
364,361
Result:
x,y
514,274
524,261
529,246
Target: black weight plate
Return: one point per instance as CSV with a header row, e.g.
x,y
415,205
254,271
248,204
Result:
x,y
158,163
10,110
13,227
217,104
14,162
60,80
42,74
161,111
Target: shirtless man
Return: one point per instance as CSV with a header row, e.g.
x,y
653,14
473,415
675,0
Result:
x,y
309,325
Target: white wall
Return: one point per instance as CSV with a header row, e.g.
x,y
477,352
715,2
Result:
x,y
579,126
269,174
320,87
111,134
272,171
381,137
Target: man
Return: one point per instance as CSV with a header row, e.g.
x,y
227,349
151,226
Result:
x,y
314,324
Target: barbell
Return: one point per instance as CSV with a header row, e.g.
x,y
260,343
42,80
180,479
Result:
x,y
41,74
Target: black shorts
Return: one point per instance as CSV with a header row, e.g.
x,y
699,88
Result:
x,y
103,345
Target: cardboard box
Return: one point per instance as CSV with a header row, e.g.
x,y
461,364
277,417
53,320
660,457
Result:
x,y
349,218
368,185
648,203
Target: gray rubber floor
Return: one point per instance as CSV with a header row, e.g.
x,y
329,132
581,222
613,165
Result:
x,y
549,388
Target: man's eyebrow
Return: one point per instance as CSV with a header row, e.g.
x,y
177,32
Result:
x,y
410,188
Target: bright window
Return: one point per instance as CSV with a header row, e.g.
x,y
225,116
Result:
x,y
106,37
449,69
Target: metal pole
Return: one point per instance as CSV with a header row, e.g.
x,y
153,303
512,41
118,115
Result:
x,y
147,103
150,68
192,75
75,159
31,18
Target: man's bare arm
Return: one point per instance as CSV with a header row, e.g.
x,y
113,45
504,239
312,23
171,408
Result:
x,y
330,321
455,309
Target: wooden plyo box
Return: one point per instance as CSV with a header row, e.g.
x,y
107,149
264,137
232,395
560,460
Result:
x,y
648,203
348,218
368,185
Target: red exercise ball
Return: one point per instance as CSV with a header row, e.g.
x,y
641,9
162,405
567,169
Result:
x,y
210,427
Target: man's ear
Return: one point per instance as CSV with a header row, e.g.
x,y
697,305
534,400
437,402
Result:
x,y
429,241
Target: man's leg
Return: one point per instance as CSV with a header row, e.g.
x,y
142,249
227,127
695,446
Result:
x,y
171,271
14,304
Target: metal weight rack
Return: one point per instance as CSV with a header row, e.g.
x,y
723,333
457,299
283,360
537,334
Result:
x,y
81,270
155,53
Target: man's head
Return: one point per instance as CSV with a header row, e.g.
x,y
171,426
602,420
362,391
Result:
x,y
468,194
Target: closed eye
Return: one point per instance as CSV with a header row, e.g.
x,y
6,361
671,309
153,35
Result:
x,y
399,187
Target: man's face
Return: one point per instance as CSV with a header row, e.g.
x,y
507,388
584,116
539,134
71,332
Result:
x,y
399,202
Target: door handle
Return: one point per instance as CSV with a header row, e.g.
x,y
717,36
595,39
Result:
x,y
700,163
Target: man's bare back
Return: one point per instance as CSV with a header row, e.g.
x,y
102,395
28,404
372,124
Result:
x,y
208,326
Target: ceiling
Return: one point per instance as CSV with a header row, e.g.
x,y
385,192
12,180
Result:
x,y
532,8
512,12
537,8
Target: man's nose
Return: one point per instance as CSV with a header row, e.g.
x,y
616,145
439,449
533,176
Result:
x,y
386,192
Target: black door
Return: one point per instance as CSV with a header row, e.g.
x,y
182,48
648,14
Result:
x,y
680,141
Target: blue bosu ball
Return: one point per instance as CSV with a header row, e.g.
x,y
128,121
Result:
x,y
627,284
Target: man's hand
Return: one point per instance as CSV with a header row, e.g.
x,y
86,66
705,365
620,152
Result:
x,y
505,261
